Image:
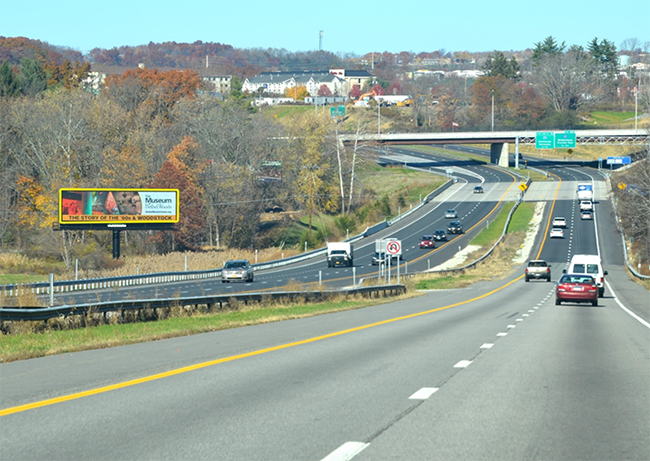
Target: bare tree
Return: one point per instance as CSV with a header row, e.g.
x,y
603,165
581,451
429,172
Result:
x,y
570,80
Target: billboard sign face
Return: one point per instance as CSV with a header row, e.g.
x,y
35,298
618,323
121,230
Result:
x,y
118,206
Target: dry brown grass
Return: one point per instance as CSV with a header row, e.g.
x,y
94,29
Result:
x,y
173,262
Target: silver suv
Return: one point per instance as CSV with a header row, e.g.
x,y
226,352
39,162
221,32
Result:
x,y
237,269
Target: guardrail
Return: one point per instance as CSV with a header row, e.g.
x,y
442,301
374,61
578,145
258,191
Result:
x,y
620,230
489,252
41,288
103,308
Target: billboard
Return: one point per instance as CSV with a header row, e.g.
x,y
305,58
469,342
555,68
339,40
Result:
x,y
118,206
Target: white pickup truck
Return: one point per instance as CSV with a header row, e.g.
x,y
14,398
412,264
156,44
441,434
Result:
x,y
538,269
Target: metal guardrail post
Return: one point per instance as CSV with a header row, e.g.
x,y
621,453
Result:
x,y
51,289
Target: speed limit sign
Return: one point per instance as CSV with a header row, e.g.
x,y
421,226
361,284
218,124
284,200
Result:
x,y
393,247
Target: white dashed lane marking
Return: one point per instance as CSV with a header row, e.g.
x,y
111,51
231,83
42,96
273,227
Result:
x,y
424,393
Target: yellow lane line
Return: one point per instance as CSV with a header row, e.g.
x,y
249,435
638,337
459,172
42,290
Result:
x,y
178,371
198,366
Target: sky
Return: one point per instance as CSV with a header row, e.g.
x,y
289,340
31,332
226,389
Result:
x,y
352,26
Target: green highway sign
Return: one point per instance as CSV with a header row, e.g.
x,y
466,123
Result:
x,y
337,111
544,140
565,140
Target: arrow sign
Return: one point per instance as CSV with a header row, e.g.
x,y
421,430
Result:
x,y
393,247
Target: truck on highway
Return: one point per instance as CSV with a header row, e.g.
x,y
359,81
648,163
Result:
x,y
585,191
538,269
340,254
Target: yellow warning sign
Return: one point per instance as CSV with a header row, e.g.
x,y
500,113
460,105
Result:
x,y
523,187
622,185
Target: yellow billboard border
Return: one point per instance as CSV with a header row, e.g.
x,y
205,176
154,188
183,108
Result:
x,y
115,189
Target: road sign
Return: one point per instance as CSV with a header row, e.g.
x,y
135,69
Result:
x,y
565,140
523,186
544,140
393,247
337,111
618,160
622,185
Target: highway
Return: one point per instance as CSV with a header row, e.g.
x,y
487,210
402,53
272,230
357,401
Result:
x,y
495,371
473,210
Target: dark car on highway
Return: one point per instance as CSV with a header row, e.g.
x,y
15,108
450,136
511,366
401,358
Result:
x,y
439,235
455,227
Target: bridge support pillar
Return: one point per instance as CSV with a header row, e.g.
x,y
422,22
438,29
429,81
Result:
x,y
499,153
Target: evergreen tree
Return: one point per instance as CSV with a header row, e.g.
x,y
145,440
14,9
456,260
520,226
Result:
x,y
605,55
33,79
498,64
547,47
8,81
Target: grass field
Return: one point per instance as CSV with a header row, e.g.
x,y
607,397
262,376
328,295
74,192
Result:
x,y
31,339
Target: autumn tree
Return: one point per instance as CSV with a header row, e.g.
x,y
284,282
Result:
x,y
355,92
67,74
298,92
324,90
153,91
181,171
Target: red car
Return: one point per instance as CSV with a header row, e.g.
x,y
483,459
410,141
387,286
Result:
x,y
427,242
576,288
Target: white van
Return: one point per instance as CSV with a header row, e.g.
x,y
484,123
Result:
x,y
589,264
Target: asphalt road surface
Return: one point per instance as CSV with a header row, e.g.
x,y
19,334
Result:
x,y
495,371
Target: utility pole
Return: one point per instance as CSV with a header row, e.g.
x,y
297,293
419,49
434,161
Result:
x,y
492,110
311,169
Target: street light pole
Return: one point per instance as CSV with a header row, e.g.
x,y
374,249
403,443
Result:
x,y
378,117
636,98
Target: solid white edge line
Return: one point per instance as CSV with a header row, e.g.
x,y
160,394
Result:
x,y
346,452
424,393
643,322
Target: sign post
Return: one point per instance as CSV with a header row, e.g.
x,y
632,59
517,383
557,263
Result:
x,y
394,247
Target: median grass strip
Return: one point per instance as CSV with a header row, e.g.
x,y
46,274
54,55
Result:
x,y
36,339
499,264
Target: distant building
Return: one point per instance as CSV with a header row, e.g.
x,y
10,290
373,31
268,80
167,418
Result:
x,y
213,82
339,81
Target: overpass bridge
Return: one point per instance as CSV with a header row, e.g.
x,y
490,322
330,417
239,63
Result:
x,y
500,141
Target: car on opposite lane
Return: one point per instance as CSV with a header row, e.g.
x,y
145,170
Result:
x,y
439,235
455,227
478,190
576,288
451,214
427,242
237,269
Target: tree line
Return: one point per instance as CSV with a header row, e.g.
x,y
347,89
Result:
x,y
153,129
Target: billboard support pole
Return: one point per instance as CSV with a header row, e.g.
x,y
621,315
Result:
x,y
116,244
